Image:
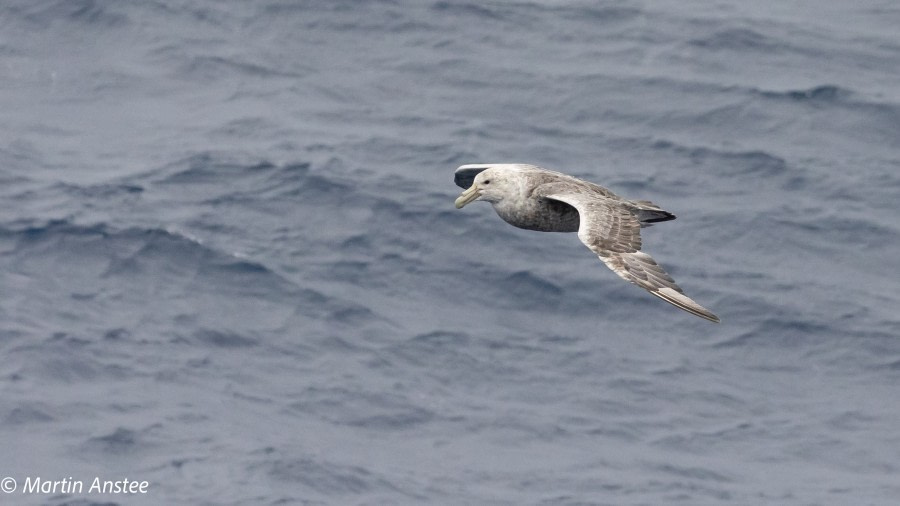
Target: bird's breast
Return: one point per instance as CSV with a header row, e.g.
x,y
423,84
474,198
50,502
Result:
x,y
543,215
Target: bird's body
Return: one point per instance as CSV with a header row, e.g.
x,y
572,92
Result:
x,y
533,198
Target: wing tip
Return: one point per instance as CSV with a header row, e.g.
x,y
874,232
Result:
x,y
685,303
464,175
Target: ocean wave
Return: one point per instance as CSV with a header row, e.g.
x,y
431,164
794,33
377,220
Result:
x,y
85,12
208,167
28,414
228,180
838,229
211,68
468,9
224,219
121,441
325,477
428,349
825,93
362,408
739,39
743,163
100,190
599,13
165,259
525,290
865,116
786,331
223,338
693,473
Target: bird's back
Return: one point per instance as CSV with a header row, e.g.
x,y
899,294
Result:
x,y
646,212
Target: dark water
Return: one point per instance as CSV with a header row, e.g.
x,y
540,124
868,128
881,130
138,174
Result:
x,y
230,263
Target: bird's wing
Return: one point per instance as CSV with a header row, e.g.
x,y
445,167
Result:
x,y
464,176
612,232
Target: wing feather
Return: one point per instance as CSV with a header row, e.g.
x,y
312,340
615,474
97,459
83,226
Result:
x,y
613,232
464,176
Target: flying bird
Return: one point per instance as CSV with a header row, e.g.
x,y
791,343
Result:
x,y
534,198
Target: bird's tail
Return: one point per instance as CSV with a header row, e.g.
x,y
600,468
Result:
x,y
649,213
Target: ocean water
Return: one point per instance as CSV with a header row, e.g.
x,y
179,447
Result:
x,y
230,264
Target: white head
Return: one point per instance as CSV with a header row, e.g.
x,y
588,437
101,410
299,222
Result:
x,y
493,184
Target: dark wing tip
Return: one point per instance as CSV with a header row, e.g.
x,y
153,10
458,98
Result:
x,y
465,175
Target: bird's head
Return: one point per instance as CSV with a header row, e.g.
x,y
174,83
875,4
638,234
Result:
x,y
492,184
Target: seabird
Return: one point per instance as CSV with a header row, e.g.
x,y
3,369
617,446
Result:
x,y
534,198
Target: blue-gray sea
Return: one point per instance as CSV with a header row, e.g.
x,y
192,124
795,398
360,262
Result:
x,y
230,264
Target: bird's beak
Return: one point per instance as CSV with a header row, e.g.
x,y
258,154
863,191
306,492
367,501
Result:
x,y
467,196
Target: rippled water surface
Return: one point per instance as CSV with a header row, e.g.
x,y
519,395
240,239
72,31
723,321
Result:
x,y
230,264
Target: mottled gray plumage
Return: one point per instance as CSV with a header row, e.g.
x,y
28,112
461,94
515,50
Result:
x,y
533,198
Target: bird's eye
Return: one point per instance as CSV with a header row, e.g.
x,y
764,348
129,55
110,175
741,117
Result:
x,y
487,181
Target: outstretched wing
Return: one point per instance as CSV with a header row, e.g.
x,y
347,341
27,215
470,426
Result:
x,y
612,232
465,175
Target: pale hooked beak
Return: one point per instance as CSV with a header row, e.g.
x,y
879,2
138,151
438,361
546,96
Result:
x,y
467,196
